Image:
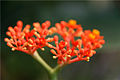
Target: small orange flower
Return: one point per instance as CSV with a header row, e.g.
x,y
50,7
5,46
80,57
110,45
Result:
x,y
72,22
91,36
96,32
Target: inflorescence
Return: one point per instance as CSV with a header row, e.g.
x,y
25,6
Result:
x,y
67,51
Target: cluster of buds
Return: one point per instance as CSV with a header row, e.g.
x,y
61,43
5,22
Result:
x,y
27,40
67,51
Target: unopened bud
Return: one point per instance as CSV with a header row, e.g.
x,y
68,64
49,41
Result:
x,y
88,59
54,57
30,40
53,51
49,45
13,49
68,55
50,39
30,45
24,48
66,43
42,49
36,34
75,51
8,33
56,38
6,40
50,32
35,29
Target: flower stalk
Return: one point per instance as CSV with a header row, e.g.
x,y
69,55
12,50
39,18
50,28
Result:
x,y
52,71
53,76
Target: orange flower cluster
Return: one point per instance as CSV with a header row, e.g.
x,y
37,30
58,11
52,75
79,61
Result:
x,y
67,51
27,40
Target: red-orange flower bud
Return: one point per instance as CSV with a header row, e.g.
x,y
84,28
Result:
x,y
56,38
48,23
62,44
20,24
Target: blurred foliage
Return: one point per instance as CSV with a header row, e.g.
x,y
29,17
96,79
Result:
x,y
102,15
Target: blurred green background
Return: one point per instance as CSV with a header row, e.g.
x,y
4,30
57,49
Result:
x,y
104,15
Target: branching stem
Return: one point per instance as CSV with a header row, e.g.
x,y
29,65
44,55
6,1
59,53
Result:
x,y
52,71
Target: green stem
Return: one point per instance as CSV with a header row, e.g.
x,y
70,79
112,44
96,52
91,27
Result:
x,y
53,76
41,61
52,71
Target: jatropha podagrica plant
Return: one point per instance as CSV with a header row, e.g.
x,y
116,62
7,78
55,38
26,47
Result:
x,y
66,51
